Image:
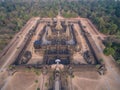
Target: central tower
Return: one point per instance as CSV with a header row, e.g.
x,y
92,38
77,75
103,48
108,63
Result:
x,y
58,25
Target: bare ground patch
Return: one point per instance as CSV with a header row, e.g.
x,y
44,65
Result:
x,y
21,81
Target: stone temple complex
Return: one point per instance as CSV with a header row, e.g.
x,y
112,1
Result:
x,y
57,41
59,49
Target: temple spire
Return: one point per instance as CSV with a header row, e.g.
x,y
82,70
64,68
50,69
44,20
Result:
x,y
48,29
58,26
67,31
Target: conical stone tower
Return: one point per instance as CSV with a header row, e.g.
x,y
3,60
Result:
x,y
51,23
66,23
67,31
58,26
49,32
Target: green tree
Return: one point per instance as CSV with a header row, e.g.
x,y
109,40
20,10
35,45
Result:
x,y
38,88
109,51
118,61
113,28
117,11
